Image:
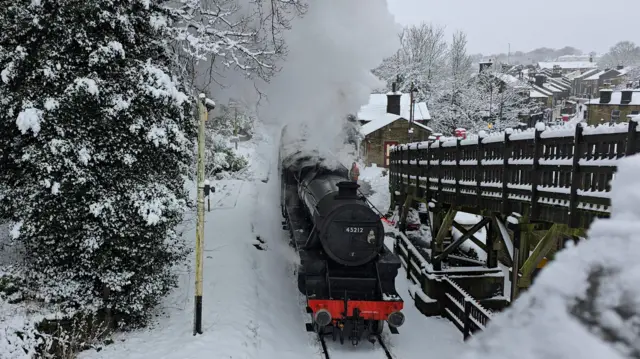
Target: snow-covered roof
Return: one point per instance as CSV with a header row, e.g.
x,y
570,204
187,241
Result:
x,y
595,76
542,90
568,65
552,88
616,97
537,94
377,107
626,70
384,120
587,73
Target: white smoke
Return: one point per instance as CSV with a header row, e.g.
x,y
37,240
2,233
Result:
x,y
327,72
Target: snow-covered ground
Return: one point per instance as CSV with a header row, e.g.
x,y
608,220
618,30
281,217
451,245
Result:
x,y
379,195
251,305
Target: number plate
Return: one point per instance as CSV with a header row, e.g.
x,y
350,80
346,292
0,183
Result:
x,y
354,230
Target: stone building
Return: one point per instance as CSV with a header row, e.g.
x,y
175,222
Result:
x,y
385,123
613,106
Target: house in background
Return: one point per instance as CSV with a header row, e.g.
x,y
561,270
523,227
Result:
x,y
385,123
613,106
609,77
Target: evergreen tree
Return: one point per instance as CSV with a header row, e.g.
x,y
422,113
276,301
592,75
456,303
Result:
x,y
95,141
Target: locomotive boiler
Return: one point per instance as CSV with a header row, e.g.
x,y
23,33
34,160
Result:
x,y
346,272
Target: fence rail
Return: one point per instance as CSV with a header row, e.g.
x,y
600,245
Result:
x,y
560,175
457,305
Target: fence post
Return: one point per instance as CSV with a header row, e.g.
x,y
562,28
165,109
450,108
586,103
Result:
x,y
632,137
440,155
505,172
576,178
417,171
479,171
466,332
535,171
457,173
515,267
409,255
427,171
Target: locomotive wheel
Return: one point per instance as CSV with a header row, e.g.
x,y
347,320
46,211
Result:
x,y
377,327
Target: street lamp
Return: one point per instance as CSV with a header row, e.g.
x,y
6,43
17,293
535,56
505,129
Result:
x,y
204,106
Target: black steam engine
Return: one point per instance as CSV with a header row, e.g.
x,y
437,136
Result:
x,y
346,272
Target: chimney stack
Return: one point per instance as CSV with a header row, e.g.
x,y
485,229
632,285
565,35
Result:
x,y
605,95
620,67
540,80
626,97
485,65
393,100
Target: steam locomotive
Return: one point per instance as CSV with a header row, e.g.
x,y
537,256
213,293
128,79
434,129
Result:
x,y
346,272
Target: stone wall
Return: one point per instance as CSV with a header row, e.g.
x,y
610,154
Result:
x,y
398,131
597,113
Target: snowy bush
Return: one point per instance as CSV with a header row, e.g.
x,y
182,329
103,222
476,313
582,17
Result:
x,y
233,119
95,137
586,303
220,156
229,122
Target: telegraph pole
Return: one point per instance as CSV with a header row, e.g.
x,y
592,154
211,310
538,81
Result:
x,y
204,106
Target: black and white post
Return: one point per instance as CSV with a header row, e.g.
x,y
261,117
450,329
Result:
x,y
204,106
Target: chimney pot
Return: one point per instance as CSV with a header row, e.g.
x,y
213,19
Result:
x,y
393,87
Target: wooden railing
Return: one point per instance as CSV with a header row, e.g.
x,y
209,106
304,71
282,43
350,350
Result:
x,y
456,304
559,175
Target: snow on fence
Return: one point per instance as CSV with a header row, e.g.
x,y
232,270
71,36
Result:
x,y
455,303
559,174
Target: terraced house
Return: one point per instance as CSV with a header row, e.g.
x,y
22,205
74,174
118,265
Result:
x,y
613,106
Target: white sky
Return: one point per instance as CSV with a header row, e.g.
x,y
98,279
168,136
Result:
x,y
492,24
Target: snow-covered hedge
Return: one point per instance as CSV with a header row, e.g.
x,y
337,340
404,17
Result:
x,y
586,303
96,139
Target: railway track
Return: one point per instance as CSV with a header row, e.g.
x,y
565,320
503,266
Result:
x,y
336,353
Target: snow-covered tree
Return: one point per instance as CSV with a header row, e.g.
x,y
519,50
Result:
x,y
449,108
212,36
625,53
421,59
230,121
95,140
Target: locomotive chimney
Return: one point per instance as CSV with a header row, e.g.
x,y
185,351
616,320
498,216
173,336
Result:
x,y
348,189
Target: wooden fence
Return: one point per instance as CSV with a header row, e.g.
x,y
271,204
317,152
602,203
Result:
x,y
456,304
559,175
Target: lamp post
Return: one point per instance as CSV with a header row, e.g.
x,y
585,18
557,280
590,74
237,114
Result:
x,y
204,106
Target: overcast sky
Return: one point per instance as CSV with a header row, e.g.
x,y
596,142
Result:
x,y
492,24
